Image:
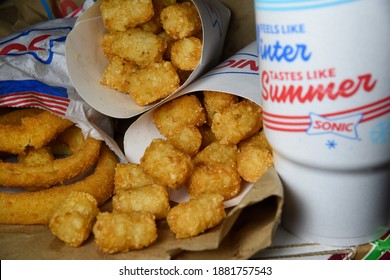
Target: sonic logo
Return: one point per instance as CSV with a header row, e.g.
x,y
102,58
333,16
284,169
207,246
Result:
x,y
39,43
247,64
20,47
342,126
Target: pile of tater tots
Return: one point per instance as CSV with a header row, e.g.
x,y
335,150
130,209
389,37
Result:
x,y
152,46
211,142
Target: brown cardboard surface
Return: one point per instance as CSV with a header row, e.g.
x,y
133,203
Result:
x,y
242,28
16,15
248,228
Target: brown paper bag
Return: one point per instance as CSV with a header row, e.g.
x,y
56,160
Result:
x,y
247,229
16,15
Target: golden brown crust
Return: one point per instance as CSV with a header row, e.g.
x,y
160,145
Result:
x,y
58,171
120,232
118,15
167,165
186,53
237,122
72,221
29,127
181,20
37,207
152,199
197,215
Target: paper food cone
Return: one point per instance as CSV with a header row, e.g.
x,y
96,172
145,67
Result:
x,y
86,61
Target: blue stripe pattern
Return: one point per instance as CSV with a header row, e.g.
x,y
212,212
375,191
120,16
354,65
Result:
x,y
12,86
291,5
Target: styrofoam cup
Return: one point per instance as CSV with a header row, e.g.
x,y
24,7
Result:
x,y
325,92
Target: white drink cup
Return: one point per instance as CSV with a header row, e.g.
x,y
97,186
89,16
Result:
x,y
325,86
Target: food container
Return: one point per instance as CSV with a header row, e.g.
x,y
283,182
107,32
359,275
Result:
x,y
325,96
86,61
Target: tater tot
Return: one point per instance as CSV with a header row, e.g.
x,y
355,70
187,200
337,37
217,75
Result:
x,y
138,46
197,215
72,221
152,199
253,161
186,138
107,40
130,176
217,153
118,15
218,178
258,139
184,110
237,122
181,20
154,24
116,73
186,53
152,83
120,232
166,164
215,101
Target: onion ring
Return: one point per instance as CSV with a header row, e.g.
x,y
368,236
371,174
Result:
x,y
58,171
29,127
28,208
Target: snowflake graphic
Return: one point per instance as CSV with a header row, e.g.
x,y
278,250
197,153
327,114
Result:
x,y
380,134
331,144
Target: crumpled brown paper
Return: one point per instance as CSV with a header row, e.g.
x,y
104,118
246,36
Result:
x,y
247,229
16,15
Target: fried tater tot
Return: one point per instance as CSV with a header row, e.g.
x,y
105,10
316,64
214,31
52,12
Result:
x,y
152,83
237,122
151,199
217,153
120,232
186,53
154,24
138,46
181,20
184,110
72,221
166,164
215,101
186,138
215,178
116,73
108,39
197,215
130,176
258,139
118,15
253,161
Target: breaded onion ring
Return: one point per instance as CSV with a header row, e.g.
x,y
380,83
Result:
x,y
29,127
58,171
30,208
